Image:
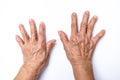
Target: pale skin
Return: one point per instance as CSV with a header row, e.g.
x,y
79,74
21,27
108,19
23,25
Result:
x,y
81,45
36,51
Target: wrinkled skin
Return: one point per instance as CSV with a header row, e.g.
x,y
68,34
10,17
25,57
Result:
x,y
35,51
80,47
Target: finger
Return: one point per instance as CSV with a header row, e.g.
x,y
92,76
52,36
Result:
x,y
74,27
33,30
63,37
42,35
24,33
91,26
98,36
19,40
50,45
84,23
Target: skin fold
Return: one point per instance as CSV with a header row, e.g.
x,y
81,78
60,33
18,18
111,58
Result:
x,y
81,45
36,51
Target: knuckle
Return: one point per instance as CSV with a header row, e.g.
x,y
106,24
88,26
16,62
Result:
x,y
83,24
98,37
82,41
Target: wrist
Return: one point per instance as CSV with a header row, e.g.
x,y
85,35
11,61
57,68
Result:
x,y
34,68
82,63
26,73
85,67
83,71
30,71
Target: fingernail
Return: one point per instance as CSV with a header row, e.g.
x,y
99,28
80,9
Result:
x,y
59,32
87,12
103,30
95,17
17,38
54,40
30,20
74,14
42,23
20,25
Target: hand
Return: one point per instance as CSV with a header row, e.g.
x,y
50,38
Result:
x,y
79,49
35,50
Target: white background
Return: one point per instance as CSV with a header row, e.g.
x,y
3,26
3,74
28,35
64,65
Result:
x,y
57,16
